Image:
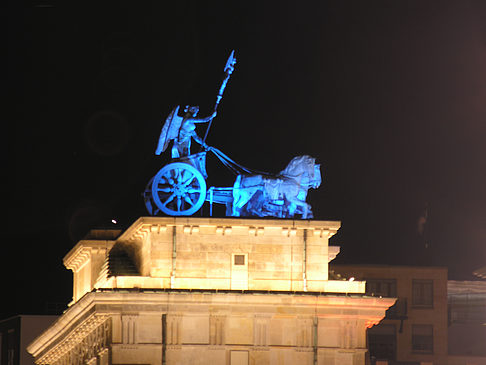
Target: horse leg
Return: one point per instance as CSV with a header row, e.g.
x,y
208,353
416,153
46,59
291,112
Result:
x,y
255,203
240,198
236,197
236,205
310,214
305,207
289,209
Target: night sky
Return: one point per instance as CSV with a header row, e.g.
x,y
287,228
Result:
x,y
389,96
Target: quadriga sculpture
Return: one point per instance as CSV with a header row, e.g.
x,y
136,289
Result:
x,y
179,188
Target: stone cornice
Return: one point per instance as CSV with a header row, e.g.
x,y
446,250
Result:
x,y
145,225
77,258
81,252
333,251
72,318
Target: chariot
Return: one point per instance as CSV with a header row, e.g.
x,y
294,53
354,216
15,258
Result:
x,y
179,188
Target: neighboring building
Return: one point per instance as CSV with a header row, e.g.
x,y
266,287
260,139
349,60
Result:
x,y
211,291
467,321
414,330
16,333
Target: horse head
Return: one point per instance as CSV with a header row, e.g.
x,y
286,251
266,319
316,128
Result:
x,y
300,165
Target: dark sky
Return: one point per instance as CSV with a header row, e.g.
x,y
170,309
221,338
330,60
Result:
x,y
389,96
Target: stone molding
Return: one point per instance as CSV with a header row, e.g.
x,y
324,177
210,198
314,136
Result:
x,y
81,253
78,258
84,332
223,226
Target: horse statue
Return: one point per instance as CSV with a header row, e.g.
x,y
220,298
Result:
x,y
282,195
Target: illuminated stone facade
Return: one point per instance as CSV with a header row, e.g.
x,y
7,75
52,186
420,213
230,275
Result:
x,y
211,291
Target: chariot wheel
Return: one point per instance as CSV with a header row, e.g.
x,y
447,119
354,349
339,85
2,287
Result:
x,y
179,189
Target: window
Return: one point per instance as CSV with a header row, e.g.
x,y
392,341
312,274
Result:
x,y
381,287
422,293
239,271
467,308
239,259
423,338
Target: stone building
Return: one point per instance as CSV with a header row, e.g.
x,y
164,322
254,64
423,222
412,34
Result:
x,y
211,291
414,330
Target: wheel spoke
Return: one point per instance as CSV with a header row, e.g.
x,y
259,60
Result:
x,y
188,200
172,178
167,189
169,199
179,203
167,180
190,180
183,176
193,191
180,174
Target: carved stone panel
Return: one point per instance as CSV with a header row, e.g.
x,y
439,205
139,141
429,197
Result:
x,y
83,346
216,330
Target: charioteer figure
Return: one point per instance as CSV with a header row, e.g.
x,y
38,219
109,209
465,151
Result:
x,y
182,130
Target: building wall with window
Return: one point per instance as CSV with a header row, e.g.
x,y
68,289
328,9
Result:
x,y
415,328
16,333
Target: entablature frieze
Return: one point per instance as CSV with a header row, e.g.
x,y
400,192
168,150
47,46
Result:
x,y
90,326
84,342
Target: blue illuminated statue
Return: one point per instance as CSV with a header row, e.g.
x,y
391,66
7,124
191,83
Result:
x,y
181,130
179,188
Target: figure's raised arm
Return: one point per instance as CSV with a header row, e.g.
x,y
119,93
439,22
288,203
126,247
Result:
x,y
205,120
